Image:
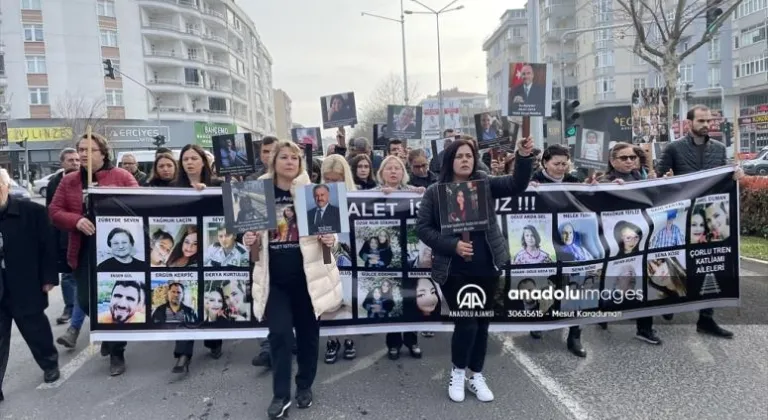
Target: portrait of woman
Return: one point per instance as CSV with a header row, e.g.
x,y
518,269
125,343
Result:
x,y
405,121
625,278
379,302
628,236
376,250
339,109
235,297
287,226
718,221
570,247
427,298
530,252
215,306
161,244
184,253
698,226
462,200
667,278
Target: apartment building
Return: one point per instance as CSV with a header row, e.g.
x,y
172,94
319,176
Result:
x,y
283,121
183,68
728,74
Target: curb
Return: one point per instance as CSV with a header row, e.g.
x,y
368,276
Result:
x,y
752,264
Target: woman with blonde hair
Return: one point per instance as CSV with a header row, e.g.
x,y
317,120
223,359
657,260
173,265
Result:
x,y
393,176
292,286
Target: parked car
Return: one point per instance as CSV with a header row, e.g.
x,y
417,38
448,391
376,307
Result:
x,y
758,165
19,192
41,185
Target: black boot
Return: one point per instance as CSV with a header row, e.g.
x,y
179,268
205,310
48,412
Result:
x,y
116,364
574,342
709,326
65,316
536,334
182,364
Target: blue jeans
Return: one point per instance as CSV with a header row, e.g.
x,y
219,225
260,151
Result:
x,y
68,289
78,316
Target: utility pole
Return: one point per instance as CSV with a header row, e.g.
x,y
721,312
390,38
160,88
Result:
x,y
534,56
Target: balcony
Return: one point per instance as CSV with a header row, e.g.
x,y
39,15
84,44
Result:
x,y
215,15
559,8
554,34
167,29
605,96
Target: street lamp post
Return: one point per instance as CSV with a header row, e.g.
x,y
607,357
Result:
x,y
401,21
437,13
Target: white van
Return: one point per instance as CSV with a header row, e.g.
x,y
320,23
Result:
x,y
145,158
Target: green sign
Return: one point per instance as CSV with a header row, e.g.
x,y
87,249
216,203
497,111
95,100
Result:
x,y
570,131
204,131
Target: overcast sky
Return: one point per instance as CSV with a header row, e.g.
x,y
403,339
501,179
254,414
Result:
x,y
320,47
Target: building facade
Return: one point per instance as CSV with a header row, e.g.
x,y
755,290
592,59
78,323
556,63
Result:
x,y
728,74
283,121
180,66
459,109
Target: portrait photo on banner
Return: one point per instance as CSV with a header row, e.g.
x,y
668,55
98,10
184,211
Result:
x,y
532,279
403,122
625,231
221,248
667,276
379,295
670,224
338,110
577,237
249,205
711,219
344,312
592,149
586,280
174,297
121,298
120,244
308,135
226,297
463,207
173,242
422,298
530,238
527,90
418,254
233,154
438,145
624,280
380,140
493,130
322,209
377,243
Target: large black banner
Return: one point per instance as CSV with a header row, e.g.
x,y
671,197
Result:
x,y
166,267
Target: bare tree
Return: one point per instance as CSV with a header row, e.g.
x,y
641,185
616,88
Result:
x,y
659,26
78,112
374,110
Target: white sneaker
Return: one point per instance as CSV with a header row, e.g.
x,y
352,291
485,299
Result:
x,y
457,384
477,385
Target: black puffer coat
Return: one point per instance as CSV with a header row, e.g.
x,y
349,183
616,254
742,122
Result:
x,y
444,246
683,156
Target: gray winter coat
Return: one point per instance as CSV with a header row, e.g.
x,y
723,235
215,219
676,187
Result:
x,y
444,246
682,156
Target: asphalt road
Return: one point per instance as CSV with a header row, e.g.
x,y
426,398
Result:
x,y
689,376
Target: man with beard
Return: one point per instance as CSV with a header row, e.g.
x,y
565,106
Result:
x,y
124,304
121,245
174,310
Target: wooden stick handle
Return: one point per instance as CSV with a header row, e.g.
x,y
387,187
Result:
x,y
89,135
465,238
326,254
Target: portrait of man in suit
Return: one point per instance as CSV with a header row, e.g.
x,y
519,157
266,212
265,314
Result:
x,y
325,217
527,92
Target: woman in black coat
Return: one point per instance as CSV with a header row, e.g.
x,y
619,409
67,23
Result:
x,y
477,262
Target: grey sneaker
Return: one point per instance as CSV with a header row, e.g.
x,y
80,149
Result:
x,y
69,339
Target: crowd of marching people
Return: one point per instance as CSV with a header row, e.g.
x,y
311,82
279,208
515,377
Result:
x,y
292,286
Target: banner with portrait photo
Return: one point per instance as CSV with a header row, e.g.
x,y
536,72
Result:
x,y
249,205
338,110
463,206
579,254
649,115
492,129
527,90
380,139
430,120
322,209
592,149
233,153
308,135
403,122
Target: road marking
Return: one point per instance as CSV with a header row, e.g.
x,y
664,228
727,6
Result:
x,y
70,368
362,364
699,349
546,381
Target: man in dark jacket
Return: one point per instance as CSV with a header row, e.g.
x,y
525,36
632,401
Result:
x,y
26,277
130,164
70,162
692,153
174,310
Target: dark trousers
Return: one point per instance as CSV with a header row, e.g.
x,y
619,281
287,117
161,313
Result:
x,y
469,343
397,340
186,347
36,330
706,314
289,307
83,281
644,324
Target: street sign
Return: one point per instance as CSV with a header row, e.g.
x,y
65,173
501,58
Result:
x,y
136,134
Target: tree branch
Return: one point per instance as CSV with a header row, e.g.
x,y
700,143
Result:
x,y
637,22
709,34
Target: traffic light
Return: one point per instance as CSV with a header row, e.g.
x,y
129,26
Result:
x,y
713,12
159,140
109,71
725,128
570,117
556,111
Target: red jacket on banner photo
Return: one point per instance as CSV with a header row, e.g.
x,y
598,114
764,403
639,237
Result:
x,y
67,205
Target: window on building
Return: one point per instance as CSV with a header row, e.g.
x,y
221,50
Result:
x,y
217,104
240,68
638,83
685,73
753,65
713,77
605,85
752,35
713,48
747,7
33,33
31,4
108,38
517,32
114,97
115,65
35,64
106,8
603,35
38,96
604,59
736,42
660,82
